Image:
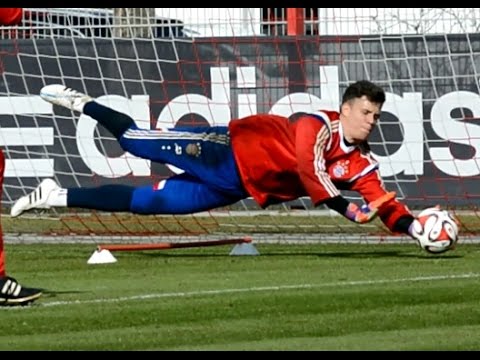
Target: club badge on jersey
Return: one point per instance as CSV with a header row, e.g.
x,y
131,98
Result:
x,y
194,149
341,168
351,168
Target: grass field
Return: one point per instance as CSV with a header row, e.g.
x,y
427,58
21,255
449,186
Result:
x,y
291,297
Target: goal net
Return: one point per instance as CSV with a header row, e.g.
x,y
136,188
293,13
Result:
x,y
171,67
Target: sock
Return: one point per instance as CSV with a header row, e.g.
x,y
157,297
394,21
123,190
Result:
x,y
115,122
58,198
106,197
404,224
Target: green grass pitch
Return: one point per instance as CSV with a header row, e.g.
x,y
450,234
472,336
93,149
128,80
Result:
x,y
290,297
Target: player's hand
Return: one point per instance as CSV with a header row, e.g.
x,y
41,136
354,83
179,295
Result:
x,y
367,212
361,214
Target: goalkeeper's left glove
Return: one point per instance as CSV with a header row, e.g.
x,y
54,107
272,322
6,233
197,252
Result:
x,y
367,212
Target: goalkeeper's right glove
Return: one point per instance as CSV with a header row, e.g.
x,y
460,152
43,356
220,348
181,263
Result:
x,y
361,214
367,212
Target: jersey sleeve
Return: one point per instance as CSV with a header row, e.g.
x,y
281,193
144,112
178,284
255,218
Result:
x,y
311,141
371,187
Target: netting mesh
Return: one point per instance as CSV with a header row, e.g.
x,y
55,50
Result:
x,y
154,71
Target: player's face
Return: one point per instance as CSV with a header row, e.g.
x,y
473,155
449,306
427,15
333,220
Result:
x,y
359,117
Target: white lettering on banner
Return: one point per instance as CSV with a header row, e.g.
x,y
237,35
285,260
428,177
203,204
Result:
x,y
26,136
456,132
246,79
215,110
408,159
304,102
125,164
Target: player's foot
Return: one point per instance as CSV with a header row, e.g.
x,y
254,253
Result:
x,y
61,95
37,199
14,294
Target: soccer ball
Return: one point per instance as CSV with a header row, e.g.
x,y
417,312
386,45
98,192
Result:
x,y
438,226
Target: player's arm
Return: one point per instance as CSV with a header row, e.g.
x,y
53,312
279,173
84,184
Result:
x,y
312,140
359,214
393,213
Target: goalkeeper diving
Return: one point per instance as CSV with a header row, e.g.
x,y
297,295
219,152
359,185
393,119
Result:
x,y
267,157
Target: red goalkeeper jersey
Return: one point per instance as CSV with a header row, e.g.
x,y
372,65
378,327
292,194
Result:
x,y
280,160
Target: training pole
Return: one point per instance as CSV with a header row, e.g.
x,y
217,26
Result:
x,y
172,245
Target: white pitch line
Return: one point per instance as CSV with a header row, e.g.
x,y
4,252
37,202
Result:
x,y
262,288
258,289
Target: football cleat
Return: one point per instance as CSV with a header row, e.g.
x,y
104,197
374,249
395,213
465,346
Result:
x,y
14,294
37,199
61,95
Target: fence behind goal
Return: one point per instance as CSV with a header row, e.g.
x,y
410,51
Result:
x,y
166,67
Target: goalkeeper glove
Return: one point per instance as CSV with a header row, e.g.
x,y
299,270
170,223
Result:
x,y
367,212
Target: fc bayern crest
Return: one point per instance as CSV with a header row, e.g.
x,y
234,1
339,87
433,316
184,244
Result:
x,y
194,149
340,168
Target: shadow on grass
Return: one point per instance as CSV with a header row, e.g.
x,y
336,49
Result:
x,y
327,254
385,254
48,293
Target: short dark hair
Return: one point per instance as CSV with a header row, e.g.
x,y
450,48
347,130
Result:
x,y
374,93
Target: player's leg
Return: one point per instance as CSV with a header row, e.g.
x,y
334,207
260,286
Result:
x,y
3,272
114,121
11,292
203,152
2,258
2,261
180,194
